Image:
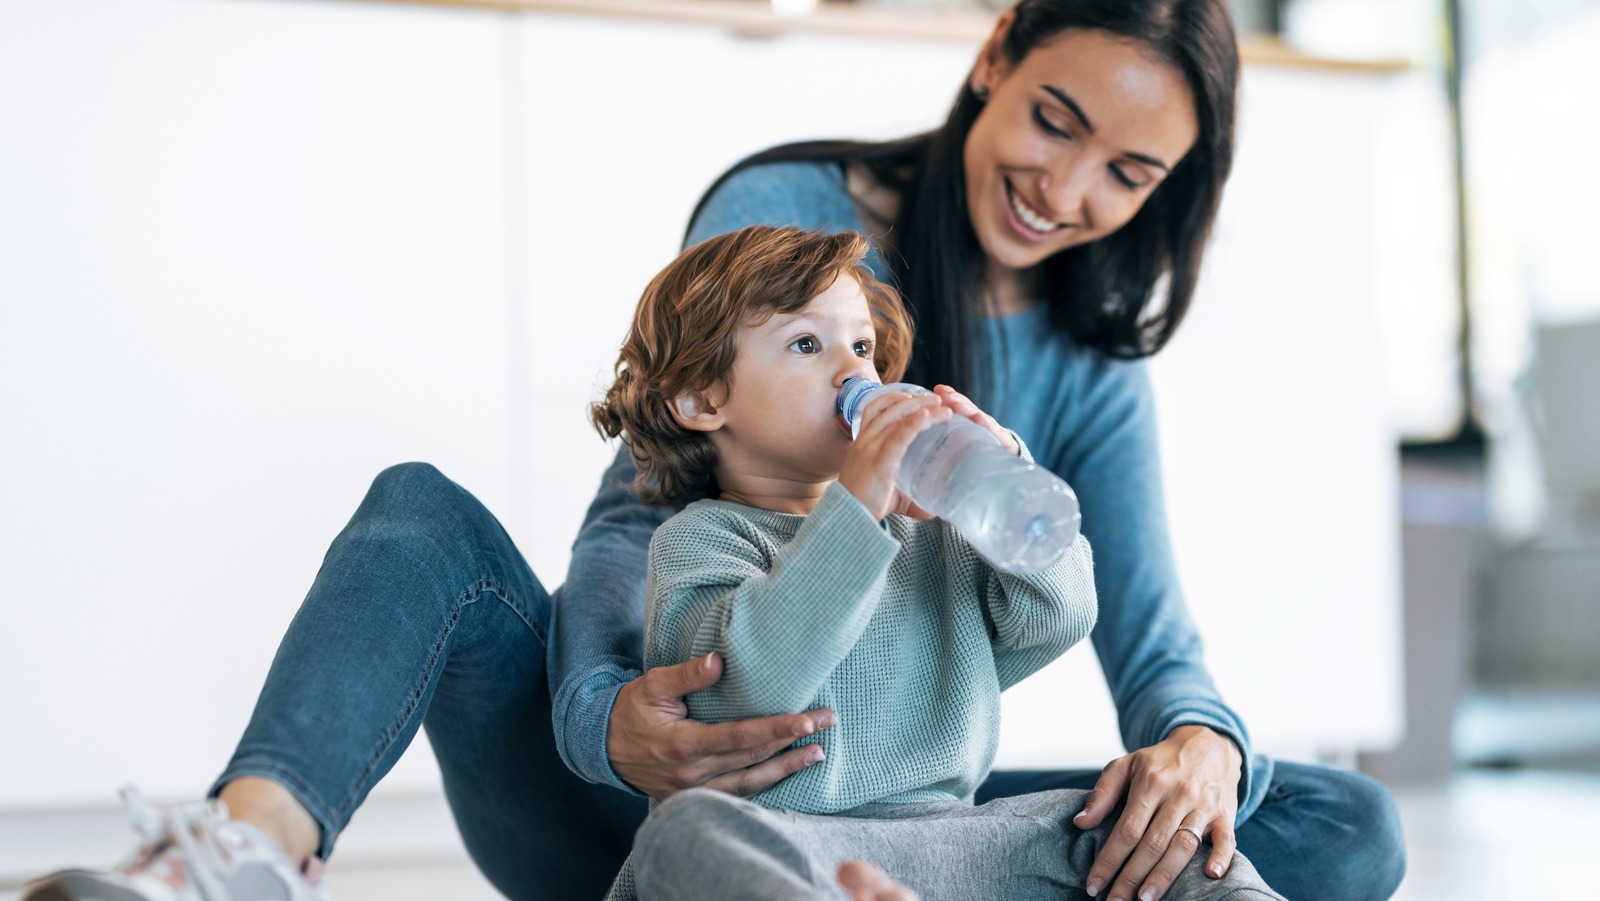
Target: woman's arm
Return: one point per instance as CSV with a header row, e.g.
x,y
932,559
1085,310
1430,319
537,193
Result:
x,y
599,615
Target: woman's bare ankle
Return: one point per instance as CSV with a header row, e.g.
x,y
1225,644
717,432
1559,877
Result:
x,y
278,814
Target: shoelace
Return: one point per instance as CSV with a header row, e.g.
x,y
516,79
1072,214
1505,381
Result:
x,y
144,819
193,829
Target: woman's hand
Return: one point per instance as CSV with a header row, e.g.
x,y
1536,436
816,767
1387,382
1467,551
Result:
x,y
1190,779
654,746
961,405
888,425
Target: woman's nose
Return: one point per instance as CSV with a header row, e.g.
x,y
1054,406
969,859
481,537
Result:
x,y
1065,188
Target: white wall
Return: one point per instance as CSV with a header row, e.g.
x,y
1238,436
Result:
x,y
251,252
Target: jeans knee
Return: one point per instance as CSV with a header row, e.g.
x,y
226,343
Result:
x,y
1375,819
415,521
1326,833
411,480
424,517
1364,857
414,500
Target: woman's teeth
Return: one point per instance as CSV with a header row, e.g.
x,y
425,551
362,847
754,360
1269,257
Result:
x,y
1029,218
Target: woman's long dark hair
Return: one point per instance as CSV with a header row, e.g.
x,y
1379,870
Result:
x,y
1103,293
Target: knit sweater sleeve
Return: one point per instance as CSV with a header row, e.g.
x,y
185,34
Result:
x,y
783,615
1032,619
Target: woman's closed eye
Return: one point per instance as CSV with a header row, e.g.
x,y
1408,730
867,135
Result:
x,y
1062,130
1123,178
1049,126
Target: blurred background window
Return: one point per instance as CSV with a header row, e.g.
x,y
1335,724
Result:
x,y
1523,89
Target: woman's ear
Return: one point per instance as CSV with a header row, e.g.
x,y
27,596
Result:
x,y
991,65
694,411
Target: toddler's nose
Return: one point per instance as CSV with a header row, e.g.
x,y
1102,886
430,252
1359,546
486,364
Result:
x,y
859,369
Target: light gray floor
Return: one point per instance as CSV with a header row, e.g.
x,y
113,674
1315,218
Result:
x,y
1482,835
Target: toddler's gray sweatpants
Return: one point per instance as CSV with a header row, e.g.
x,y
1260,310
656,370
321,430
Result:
x,y
703,844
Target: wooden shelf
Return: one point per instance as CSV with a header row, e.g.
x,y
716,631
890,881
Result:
x,y
757,19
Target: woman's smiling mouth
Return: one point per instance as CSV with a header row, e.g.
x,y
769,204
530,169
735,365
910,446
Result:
x,y
1027,216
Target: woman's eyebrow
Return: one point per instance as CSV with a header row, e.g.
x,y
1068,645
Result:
x,y
1069,103
1072,105
1147,160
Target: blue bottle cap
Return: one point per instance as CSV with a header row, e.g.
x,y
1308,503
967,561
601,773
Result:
x,y
850,394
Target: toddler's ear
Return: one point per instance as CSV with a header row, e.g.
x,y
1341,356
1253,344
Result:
x,y
694,411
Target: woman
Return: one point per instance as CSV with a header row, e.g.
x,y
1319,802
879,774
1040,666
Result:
x,y
1084,159
1050,232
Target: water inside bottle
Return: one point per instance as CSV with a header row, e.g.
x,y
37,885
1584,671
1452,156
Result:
x,y
1023,524
937,470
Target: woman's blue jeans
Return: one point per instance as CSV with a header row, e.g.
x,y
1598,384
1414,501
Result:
x,y
424,614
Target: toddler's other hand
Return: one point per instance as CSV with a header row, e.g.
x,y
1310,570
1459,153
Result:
x,y
962,405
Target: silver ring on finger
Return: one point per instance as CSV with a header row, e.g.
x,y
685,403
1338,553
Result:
x,y
1192,831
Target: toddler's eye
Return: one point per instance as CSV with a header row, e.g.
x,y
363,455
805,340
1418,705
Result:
x,y
806,345
863,348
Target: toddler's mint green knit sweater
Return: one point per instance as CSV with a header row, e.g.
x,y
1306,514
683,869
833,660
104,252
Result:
x,y
900,627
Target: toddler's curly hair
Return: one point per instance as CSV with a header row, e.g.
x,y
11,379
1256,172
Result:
x,y
684,332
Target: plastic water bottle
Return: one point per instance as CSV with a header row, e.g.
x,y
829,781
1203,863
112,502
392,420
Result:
x,y
1019,516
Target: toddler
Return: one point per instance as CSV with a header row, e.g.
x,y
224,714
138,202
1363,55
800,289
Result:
x,y
794,557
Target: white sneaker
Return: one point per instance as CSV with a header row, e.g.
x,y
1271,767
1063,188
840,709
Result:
x,y
194,853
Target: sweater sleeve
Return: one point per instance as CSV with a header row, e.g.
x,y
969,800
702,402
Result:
x,y
1148,646
1035,618
595,637
782,620
1031,619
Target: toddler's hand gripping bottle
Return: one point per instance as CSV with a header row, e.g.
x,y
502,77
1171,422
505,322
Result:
x,y
1020,516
